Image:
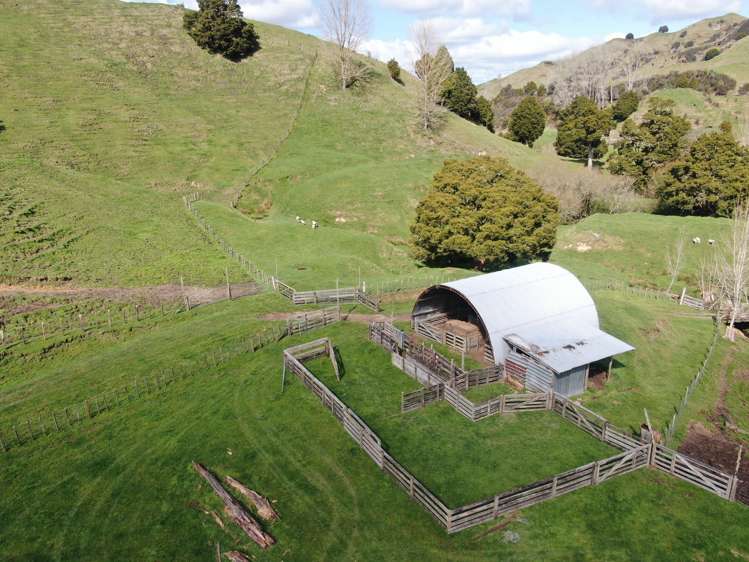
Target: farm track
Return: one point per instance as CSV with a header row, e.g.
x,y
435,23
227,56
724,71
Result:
x,y
151,293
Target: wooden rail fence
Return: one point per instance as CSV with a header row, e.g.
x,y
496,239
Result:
x,y
636,455
344,295
670,430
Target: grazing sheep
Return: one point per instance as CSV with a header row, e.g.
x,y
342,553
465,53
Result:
x,y
315,224
696,240
298,218
302,221
711,242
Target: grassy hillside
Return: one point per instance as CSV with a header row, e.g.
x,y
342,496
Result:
x,y
669,51
706,113
112,113
632,247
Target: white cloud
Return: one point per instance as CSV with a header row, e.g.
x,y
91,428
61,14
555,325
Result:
x,y
290,13
459,30
402,50
488,56
510,8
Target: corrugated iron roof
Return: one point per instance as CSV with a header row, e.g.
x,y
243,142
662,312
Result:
x,y
544,304
563,351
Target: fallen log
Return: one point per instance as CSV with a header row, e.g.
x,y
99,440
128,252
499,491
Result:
x,y
262,505
235,511
235,556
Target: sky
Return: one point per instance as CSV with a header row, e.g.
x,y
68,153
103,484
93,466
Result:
x,y
492,38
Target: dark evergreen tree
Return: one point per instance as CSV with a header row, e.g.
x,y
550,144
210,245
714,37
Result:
x,y
626,105
486,113
663,29
528,121
582,128
482,212
710,180
219,28
459,95
630,36
645,148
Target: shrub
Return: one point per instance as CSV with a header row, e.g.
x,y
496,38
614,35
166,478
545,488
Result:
x,y
530,88
689,44
710,180
528,121
683,34
706,81
744,90
675,45
626,105
218,27
630,36
395,70
483,212
712,53
663,29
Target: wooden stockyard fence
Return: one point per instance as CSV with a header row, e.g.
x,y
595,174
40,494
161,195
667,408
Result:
x,y
343,295
634,456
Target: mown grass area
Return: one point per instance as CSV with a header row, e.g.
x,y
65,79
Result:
x,y
479,394
120,487
670,343
724,390
459,460
632,247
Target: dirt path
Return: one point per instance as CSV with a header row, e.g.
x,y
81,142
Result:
x,y
152,294
718,447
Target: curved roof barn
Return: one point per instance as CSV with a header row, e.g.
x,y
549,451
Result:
x,y
541,308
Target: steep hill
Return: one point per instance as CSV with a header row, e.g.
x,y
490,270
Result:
x,y
665,52
113,113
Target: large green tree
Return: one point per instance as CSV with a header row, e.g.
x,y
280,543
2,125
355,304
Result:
x,y
483,212
645,148
528,121
582,128
459,95
219,28
710,180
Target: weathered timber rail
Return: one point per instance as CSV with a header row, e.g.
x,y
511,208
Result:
x,y
635,455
